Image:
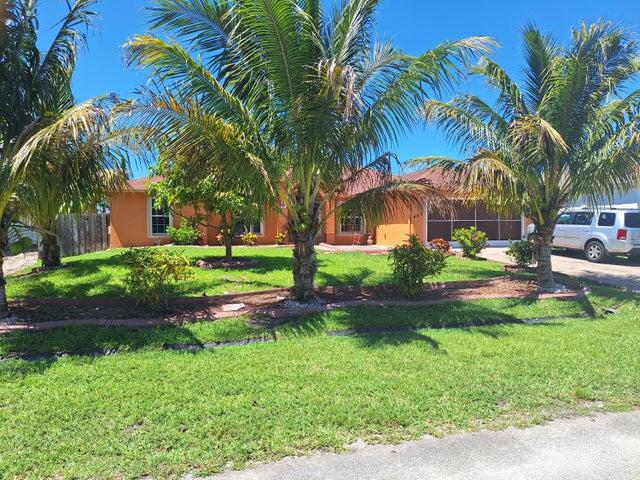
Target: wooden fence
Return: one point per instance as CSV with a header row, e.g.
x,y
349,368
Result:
x,y
83,233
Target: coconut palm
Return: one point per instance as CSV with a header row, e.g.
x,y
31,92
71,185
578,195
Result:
x,y
263,86
70,173
570,132
29,81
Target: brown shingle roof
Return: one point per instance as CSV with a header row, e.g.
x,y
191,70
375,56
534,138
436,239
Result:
x,y
366,180
435,175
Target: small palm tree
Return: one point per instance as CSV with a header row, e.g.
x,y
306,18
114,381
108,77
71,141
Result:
x,y
70,172
281,89
29,81
570,133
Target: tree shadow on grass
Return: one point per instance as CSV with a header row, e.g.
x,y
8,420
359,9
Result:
x,y
379,326
42,348
96,285
355,278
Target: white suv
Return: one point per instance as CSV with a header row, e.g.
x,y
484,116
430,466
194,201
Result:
x,y
607,231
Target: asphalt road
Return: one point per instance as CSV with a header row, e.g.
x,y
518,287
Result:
x,y
594,448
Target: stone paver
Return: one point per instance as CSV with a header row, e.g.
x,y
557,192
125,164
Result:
x,y
594,448
620,272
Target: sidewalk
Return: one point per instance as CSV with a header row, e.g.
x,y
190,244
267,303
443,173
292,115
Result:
x,y
594,448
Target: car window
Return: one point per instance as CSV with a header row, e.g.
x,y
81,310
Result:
x,y
632,220
564,219
582,218
607,219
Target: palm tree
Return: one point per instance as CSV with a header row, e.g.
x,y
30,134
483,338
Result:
x,y
571,132
70,173
29,81
281,89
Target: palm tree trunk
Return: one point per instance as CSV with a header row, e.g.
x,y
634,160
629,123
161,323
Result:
x,y
546,281
305,266
50,251
4,305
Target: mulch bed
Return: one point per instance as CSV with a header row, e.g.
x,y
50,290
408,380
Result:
x,y
60,312
211,263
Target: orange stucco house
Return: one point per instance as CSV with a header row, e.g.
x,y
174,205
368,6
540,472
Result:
x,y
136,221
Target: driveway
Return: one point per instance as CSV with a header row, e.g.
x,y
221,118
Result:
x,y
620,272
17,263
595,448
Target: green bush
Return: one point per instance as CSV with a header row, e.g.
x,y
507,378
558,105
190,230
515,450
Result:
x,y
281,237
152,272
412,263
185,234
249,239
471,240
23,245
521,252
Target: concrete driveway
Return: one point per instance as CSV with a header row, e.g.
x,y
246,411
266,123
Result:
x,y
596,448
617,271
17,263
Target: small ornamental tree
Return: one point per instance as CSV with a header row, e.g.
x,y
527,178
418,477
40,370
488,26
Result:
x,y
209,198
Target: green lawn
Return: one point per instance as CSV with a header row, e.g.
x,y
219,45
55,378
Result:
x,y
99,274
152,412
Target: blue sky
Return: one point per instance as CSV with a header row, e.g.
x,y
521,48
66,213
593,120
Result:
x,y
414,25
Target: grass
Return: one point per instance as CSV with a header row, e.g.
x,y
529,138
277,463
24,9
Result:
x,y
99,274
152,412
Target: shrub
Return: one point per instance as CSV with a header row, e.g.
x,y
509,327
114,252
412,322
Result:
x,y
412,263
249,239
185,234
281,237
440,244
152,272
23,245
521,252
471,240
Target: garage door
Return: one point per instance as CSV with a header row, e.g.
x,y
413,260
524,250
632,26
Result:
x,y
497,227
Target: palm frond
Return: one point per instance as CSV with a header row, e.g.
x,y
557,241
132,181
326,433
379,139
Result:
x,y
510,98
385,201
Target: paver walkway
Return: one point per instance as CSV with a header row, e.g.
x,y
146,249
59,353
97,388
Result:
x,y
619,272
595,448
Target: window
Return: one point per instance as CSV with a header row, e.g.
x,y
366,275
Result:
x,y
159,218
351,224
607,219
564,219
241,228
582,218
632,220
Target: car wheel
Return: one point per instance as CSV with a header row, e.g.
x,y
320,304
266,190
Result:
x,y
595,251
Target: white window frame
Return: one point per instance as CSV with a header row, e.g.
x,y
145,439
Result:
x,y
150,233
261,234
352,232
